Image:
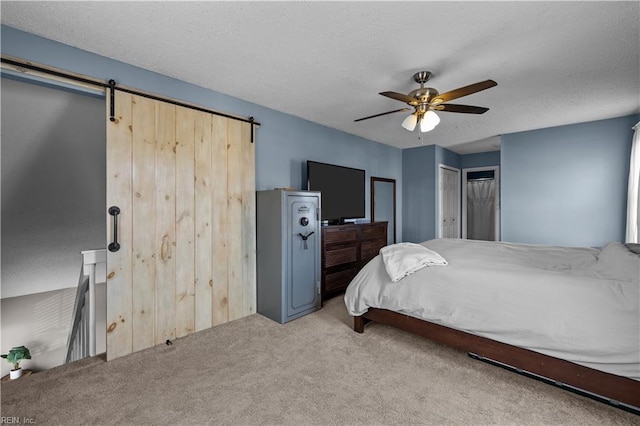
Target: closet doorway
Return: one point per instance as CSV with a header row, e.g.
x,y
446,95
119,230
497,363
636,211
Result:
x,y
481,203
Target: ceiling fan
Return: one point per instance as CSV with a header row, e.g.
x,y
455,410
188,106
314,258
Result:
x,y
426,100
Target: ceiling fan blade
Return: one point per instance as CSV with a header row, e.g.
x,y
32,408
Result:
x,y
463,91
466,109
400,97
383,113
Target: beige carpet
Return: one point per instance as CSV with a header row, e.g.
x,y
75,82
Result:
x,y
314,370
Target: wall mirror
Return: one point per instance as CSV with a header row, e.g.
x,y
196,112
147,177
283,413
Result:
x,y
383,204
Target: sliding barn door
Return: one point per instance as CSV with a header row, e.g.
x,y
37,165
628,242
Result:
x,y
184,183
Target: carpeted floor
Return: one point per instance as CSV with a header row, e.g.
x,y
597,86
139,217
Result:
x,y
314,370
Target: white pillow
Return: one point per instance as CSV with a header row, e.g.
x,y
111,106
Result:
x,y
403,259
615,261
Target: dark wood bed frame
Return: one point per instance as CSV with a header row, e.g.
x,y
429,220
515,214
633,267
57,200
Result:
x,y
615,390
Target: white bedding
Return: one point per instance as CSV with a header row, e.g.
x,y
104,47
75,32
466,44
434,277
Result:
x,y
577,304
404,259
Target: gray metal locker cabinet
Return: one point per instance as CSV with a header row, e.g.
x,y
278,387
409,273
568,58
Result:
x,y
288,253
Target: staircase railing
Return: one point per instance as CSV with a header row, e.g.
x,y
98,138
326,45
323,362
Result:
x,y
82,335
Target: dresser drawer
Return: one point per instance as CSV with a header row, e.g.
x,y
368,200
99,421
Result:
x,y
332,236
371,248
374,231
339,280
340,256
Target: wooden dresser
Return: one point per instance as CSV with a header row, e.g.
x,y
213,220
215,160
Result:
x,y
345,250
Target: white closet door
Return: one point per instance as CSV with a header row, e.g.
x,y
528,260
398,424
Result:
x,y
449,216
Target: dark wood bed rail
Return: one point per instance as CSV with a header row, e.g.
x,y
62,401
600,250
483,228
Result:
x,y
616,390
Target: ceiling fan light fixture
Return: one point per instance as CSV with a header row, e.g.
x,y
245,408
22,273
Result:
x,y
429,121
410,122
426,99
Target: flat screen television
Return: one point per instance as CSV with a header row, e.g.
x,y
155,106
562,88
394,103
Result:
x,y
342,190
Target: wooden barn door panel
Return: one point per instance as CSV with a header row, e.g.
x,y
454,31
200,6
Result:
x,y
165,218
219,217
247,176
119,264
184,181
143,239
185,222
234,224
203,208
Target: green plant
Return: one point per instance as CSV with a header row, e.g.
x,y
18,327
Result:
x,y
16,355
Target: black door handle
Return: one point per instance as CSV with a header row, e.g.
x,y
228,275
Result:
x,y
114,211
305,237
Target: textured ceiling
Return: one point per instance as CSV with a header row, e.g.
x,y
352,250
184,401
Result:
x,y
556,63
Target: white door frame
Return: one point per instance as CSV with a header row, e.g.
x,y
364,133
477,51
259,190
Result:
x,y
496,206
439,216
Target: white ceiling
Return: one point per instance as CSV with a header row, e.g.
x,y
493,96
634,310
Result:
x,y
556,63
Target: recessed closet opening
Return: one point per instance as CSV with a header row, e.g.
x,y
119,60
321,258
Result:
x,y
481,203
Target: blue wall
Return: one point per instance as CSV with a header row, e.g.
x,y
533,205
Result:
x,y
418,193
566,185
283,142
446,157
481,159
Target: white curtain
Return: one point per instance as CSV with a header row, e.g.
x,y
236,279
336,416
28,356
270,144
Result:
x,y
480,209
633,200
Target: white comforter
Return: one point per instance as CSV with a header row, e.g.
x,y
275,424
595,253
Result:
x,y
577,304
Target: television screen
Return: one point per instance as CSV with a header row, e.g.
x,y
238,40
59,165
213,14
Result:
x,y
342,190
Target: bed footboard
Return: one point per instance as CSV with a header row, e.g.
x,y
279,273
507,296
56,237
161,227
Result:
x,y
616,390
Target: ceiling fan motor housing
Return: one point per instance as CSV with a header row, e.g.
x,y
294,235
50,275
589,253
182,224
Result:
x,y
424,94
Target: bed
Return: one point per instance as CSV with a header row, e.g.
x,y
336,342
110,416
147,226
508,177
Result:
x,y
569,316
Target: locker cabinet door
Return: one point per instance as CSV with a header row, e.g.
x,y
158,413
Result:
x,y
304,254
